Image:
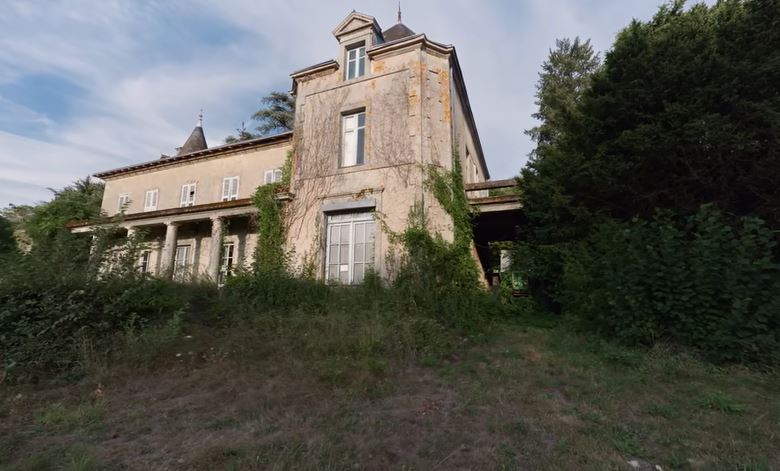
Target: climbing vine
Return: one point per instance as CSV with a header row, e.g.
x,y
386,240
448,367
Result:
x,y
431,259
270,255
450,192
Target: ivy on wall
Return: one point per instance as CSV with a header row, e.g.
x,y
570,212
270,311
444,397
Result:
x,y
270,255
431,260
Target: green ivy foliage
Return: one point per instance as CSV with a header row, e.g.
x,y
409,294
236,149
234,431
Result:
x,y
270,255
438,277
701,283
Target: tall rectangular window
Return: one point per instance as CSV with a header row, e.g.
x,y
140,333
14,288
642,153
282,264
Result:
x,y
144,265
181,263
350,247
356,61
229,188
150,199
353,139
124,201
228,259
188,194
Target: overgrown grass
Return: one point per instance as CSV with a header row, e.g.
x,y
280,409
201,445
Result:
x,y
339,388
62,417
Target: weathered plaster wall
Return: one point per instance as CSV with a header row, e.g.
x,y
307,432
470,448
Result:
x,y
406,98
249,166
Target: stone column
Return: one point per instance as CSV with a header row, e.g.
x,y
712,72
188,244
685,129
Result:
x,y
215,248
169,249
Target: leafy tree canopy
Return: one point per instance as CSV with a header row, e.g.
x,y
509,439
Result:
x,y
77,202
565,77
683,112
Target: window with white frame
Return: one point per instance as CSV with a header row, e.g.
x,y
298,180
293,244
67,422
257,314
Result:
x,y
353,139
356,61
350,247
273,176
123,203
144,265
188,194
150,199
229,188
181,263
228,260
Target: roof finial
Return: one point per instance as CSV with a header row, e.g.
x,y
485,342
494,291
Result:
x,y
399,11
200,118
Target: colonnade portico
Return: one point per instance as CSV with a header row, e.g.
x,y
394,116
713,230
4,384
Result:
x,y
204,243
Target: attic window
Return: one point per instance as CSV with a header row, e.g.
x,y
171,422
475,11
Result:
x,y
356,61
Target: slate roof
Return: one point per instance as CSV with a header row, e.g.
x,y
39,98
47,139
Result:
x,y
194,143
397,31
203,153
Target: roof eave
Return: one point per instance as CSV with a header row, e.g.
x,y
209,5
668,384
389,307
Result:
x,y
328,64
193,155
461,84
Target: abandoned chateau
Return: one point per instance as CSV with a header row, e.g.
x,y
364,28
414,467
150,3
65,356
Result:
x,y
367,125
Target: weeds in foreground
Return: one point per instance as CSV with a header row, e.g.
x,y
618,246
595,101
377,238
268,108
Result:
x,y
81,416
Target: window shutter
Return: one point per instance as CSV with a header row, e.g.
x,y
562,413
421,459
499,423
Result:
x,y
234,188
350,141
269,176
226,189
185,190
154,199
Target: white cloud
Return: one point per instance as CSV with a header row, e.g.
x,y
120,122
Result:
x,y
146,68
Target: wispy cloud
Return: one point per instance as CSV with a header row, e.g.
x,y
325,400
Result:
x,y
87,86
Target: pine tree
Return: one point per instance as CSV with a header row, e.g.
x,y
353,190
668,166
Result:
x,y
276,115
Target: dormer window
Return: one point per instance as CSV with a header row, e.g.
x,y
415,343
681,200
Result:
x,y
356,61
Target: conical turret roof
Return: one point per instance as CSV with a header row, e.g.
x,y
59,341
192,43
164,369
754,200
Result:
x,y
194,143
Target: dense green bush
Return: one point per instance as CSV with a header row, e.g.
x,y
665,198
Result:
x,y
54,298
697,282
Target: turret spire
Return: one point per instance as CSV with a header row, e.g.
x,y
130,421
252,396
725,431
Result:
x,y
200,118
399,11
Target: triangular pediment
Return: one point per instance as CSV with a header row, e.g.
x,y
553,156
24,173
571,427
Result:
x,y
355,21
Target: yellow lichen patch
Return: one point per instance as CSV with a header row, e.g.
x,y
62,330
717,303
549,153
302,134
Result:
x,y
379,66
414,99
363,193
445,95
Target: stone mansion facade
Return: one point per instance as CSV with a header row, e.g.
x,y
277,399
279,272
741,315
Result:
x,y
367,124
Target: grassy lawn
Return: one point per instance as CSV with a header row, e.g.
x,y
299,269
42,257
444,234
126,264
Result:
x,y
528,397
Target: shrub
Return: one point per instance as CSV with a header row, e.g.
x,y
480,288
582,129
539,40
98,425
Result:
x,y
698,282
46,314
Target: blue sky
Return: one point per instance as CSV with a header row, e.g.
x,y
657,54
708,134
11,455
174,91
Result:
x,y
92,85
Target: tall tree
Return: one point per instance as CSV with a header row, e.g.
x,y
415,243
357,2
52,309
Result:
x,y
683,112
77,202
277,114
565,76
